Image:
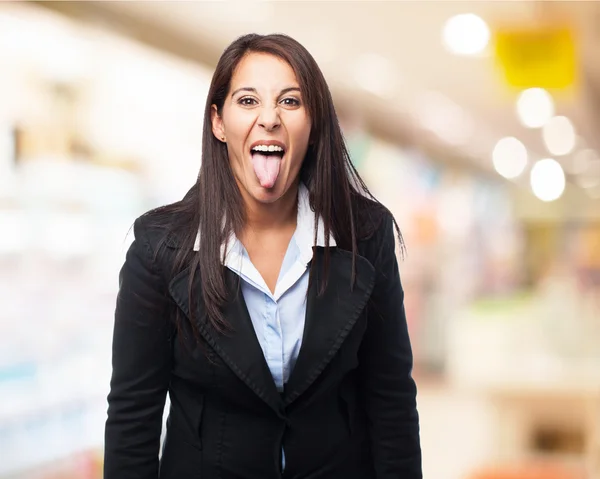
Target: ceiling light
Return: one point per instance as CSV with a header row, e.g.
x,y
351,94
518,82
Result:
x,y
594,193
465,34
509,157
535,107
587,182
547,180
590,176
581,160
559,135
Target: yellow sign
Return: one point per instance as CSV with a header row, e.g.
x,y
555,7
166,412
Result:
x,y
543,57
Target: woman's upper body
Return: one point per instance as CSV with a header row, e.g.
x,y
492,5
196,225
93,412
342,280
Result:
x,y
267,302
278,313
348,408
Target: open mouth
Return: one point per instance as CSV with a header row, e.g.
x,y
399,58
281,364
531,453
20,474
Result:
x,y
266,160
269,150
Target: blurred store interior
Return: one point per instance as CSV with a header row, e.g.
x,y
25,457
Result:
x,y
476,123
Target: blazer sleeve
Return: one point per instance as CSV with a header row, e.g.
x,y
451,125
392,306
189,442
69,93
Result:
x,y
141,366
386,361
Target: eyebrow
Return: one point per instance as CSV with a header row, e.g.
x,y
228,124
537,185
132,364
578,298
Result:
x,y
253,90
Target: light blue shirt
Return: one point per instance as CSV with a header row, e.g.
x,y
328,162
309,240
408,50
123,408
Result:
x,y
278,318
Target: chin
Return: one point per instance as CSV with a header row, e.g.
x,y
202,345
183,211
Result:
x,y
267,195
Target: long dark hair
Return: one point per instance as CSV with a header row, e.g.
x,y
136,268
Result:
x,y
337,193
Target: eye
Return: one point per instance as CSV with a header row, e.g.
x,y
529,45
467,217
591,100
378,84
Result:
x,y
247,101
290,101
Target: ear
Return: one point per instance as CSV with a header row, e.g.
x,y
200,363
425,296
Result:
x,y
218,128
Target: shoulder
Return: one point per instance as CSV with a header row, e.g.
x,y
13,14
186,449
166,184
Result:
x,y
171,224
165,233
376,226
155,227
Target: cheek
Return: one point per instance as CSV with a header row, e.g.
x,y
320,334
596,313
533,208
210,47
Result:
x,y
300,131
237,136
236,160
236,157
304,138
238,125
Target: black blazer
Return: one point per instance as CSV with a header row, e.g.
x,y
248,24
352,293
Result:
x,y
349,408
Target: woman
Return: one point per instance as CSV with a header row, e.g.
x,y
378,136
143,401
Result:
x,y
267,302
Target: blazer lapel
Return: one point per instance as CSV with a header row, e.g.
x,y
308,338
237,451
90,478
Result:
x,y
330,317
238,347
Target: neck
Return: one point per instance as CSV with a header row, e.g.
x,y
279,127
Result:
x,y
265,217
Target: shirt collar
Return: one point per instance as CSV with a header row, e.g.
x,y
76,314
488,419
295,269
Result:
x,y
304,235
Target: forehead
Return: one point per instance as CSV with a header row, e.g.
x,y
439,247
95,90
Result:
x,y
262,70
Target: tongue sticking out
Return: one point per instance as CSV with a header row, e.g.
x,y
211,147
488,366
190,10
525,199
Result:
x,y
266,168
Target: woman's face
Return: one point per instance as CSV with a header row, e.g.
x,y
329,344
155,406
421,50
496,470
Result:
x,y
265,125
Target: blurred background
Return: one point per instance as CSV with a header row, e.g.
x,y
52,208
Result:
x,y
475,122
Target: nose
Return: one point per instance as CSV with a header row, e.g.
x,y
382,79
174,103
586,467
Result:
x,y
269,118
